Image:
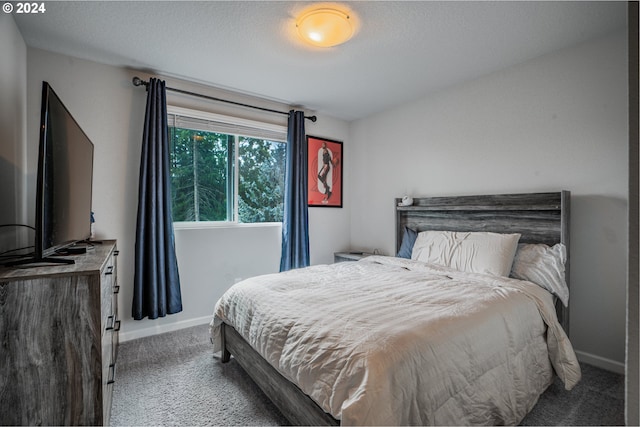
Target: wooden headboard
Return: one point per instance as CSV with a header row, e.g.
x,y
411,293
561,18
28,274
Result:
x,y
538,217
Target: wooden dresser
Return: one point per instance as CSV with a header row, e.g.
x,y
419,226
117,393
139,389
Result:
x,y
58,340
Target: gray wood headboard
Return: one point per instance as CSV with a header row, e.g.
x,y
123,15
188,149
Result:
x,y
538,217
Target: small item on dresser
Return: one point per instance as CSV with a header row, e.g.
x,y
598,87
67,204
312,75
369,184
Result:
x,y
92,233
75,250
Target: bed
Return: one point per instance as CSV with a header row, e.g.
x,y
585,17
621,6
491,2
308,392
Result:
x,y
397,341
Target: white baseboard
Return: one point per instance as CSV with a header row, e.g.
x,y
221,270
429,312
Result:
x,y
601,362
161,329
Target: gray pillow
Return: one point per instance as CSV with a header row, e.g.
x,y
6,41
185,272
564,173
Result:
x,y
408,239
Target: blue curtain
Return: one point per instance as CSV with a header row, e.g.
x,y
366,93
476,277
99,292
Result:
x,y
295,224
156,287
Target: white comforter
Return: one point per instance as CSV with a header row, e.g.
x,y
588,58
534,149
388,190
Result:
x,y
388,341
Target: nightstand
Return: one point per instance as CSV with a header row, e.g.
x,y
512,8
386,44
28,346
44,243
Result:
x,y
349,256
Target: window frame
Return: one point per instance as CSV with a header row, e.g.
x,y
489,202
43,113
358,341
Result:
x,y
232,121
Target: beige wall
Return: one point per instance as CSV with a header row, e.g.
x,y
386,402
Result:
x,y
13,125
632,398
556,122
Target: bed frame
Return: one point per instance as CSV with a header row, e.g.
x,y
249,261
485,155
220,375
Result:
x,y
538,217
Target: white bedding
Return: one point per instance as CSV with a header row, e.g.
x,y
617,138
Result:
x,y
391,341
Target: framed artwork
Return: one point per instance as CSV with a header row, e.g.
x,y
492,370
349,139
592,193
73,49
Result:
x,y
325,172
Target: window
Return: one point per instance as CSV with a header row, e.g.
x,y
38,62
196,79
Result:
x,y
225,169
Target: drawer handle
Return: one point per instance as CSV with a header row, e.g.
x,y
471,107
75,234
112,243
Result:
x,y
112,374
110,322
116,289
116,326
109,270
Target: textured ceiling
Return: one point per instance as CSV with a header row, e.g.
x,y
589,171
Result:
x,y
402,50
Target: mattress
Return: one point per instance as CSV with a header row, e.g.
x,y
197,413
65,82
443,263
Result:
x,y
389,341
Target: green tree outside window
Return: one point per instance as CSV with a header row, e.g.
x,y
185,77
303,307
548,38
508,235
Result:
x,y
203,167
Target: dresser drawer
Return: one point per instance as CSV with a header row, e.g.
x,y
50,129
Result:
x,y
108,278
114,306
108,375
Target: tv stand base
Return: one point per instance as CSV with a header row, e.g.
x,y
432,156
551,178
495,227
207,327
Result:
x,y
47,260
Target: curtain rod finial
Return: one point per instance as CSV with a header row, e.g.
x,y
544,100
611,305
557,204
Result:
x,y
137,81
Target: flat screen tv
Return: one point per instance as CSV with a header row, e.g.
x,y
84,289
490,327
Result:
x,y
64,186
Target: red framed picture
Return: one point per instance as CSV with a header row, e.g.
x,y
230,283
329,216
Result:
x,y
325,172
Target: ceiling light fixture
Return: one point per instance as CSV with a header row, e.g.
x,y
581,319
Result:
x,y
325,27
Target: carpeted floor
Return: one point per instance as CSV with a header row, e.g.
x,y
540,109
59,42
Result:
x,y
174,380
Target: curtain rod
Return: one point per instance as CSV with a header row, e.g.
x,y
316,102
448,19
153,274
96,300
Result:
x,y
137,81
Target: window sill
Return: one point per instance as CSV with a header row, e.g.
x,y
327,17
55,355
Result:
x,y
207,225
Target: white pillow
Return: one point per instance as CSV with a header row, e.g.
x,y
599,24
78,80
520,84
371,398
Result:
x,y
544,266
476,252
